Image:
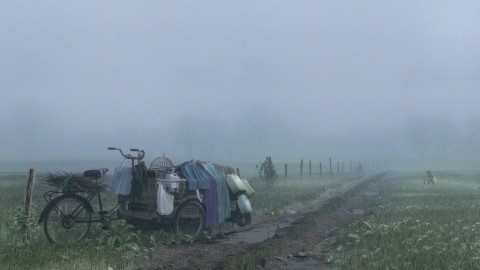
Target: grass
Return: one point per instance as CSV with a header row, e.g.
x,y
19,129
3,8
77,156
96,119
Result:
x,y
417,226
274,198
116,248
123,245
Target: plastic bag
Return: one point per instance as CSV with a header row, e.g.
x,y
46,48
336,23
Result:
x,y
164,201
121,180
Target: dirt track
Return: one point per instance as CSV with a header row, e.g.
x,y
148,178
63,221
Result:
x,y
290,245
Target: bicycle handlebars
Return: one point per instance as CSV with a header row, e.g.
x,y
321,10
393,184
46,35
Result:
x,y
140,155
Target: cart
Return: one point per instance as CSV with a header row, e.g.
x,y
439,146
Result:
x,y
68,215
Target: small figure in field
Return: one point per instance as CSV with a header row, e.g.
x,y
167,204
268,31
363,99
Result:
x,y
430,178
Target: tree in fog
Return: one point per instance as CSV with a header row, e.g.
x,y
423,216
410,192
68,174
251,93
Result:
x,y
267,170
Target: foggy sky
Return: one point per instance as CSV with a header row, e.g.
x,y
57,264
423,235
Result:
x,y
240,80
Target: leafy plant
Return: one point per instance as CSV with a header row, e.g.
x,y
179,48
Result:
x,y
21,224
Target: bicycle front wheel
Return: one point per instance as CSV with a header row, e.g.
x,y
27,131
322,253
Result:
x,y
68,219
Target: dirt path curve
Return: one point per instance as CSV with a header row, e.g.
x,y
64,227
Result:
x,y
290,246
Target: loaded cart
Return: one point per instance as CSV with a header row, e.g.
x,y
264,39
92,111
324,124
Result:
x,y
189,197
193,195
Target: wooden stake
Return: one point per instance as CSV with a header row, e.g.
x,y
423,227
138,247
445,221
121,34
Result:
x,y
28,197
301,167
28,201
331,172
310,167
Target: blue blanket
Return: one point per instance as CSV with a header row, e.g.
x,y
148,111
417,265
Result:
x,y
198,178
195,179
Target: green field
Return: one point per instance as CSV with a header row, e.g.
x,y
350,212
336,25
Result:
x,y
414,226
417,226
123,245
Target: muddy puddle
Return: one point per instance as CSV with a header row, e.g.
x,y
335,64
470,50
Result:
x,y
303,265
258,234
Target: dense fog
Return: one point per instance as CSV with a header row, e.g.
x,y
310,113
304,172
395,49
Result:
x,y
235,81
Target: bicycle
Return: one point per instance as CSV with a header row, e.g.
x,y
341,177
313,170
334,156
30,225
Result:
x,y
68,215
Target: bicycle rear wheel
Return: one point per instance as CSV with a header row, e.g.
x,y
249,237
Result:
x,y
190,219
68,219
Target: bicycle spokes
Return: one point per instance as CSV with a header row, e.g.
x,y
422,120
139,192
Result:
x,y
68,220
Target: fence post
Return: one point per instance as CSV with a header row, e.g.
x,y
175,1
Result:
x,y
342,168
28,200
301,167
286,169
28,197
310,167
331,172
320,169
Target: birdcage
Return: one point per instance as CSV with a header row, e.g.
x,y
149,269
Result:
x,y
162,166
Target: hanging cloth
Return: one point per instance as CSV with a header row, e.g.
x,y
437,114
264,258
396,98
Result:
x,y
121,180
195,179
223,194
211,198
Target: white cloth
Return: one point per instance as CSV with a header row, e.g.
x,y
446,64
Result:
x,y
121,180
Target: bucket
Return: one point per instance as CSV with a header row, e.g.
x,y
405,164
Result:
x,y
235,184
249,191
244,204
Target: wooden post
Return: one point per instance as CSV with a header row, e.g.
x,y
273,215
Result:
x,y
301,167
238,172
28,197
338,167
331,172
320,169
286,174
342,168
28,200
310,167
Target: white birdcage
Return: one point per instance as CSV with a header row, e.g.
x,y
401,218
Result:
x,y
162,166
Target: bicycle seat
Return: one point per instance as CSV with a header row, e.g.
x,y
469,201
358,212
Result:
x,y
95,173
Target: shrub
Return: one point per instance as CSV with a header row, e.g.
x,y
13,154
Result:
x,y
266,171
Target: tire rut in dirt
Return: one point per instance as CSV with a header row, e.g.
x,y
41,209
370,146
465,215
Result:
x,y
304,233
